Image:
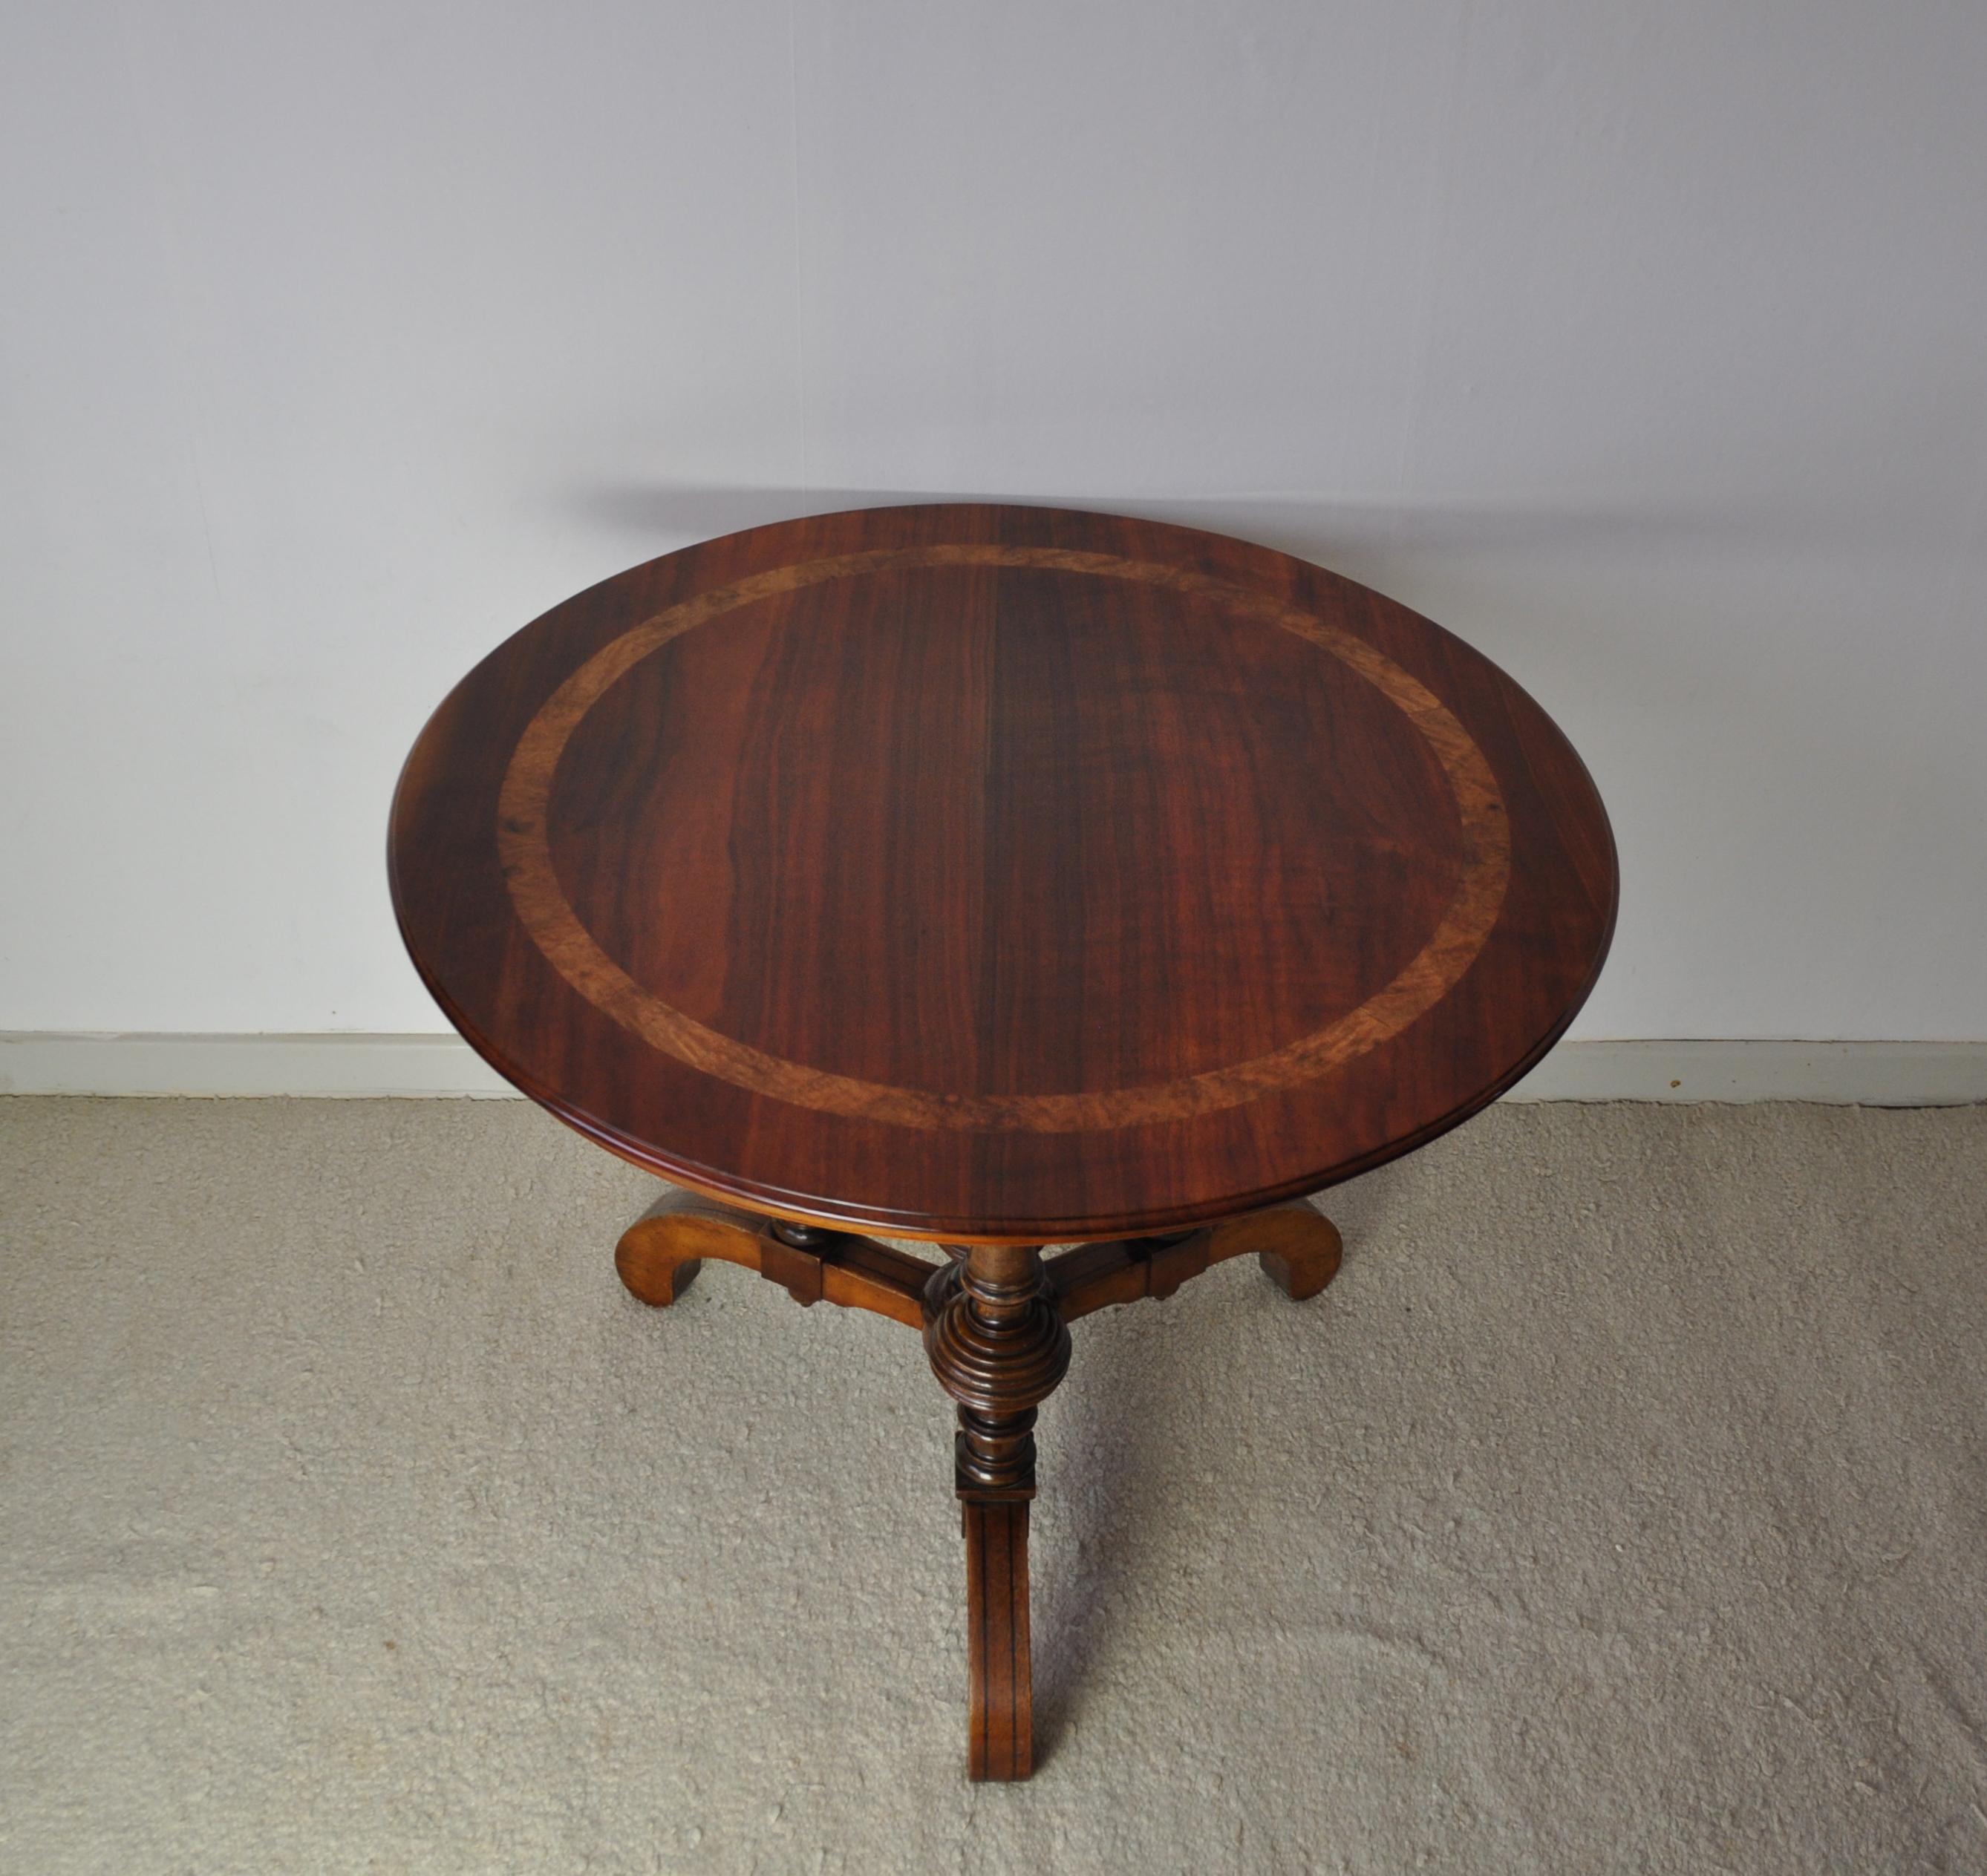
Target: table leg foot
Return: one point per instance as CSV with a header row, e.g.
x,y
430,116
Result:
x,y
1001,1706
658,1256
1300,1249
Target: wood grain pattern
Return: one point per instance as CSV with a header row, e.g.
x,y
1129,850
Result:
x,y
997,874
524,840
1001,1720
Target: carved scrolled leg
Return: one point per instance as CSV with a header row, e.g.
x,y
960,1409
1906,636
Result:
x,y
1299,1250
999,1347
660,1254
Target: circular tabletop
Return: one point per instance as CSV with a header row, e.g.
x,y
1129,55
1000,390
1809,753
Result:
x,y
1000,873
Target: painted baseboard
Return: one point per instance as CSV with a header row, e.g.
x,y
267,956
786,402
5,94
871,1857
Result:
x,y
1878,1074
1868,1074
316,1065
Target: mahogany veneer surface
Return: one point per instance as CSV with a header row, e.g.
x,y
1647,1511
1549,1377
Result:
x,y
1000,873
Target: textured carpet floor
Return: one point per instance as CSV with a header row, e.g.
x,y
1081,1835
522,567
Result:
x,y
1622,1507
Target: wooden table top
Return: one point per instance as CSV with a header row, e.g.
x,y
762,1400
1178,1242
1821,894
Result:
x,y
1000,873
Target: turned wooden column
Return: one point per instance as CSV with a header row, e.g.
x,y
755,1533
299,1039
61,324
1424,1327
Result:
x,y
998,1345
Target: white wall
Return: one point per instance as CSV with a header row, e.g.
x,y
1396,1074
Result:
x,y
1645,344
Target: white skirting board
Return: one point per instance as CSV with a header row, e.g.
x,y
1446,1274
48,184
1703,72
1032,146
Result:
x,y
1876,1074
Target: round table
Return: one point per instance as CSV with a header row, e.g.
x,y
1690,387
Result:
x,y
1005,878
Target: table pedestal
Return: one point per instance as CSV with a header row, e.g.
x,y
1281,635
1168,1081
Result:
x,y
996,1325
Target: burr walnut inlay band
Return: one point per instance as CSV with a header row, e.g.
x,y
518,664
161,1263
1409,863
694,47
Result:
x,y
555,928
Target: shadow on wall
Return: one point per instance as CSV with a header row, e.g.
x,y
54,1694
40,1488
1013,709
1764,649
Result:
x,y
1581,594
1327,528
1690,649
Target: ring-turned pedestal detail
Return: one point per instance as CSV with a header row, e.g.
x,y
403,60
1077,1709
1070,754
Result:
x,y
998,1345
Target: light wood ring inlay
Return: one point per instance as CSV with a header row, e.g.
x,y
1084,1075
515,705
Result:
x,y
542,906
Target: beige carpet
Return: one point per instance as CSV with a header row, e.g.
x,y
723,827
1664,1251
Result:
x,y
1622,1507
